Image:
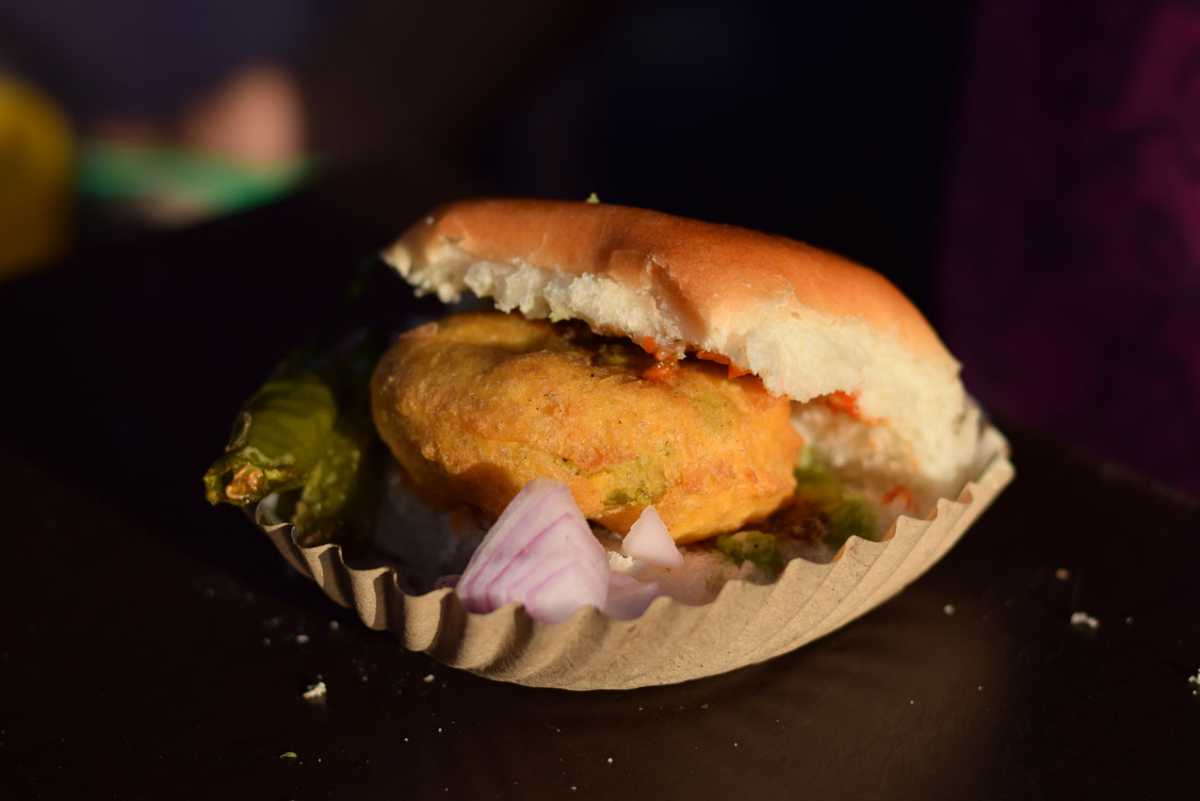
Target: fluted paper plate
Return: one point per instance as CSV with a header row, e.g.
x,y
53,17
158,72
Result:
x,y
672,641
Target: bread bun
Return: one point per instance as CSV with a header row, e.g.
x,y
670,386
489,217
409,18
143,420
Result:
x,y
807,322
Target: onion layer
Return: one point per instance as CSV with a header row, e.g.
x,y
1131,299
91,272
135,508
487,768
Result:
x,y
541,553
649,541
628,597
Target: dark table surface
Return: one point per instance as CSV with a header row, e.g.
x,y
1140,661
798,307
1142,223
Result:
x,y
152,645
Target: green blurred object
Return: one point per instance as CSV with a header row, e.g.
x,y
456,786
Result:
x,y
176,185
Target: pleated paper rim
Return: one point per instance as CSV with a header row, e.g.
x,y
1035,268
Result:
x,y
672,641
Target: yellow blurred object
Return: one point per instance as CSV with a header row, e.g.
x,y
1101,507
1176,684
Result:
x,y
36,154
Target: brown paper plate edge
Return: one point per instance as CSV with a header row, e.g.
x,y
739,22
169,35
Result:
x,y
672,641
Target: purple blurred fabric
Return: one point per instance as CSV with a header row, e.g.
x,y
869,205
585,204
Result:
x,y
1071,273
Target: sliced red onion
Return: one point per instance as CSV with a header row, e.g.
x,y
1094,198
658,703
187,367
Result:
x,y
540,553
628,597
649,541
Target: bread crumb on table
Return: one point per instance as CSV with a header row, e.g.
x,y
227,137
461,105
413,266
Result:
x,y
314,692
1083,620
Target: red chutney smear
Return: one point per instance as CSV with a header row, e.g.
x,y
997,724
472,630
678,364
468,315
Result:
x,y
719,358
665,365
899,493
845,403
650,345
667,361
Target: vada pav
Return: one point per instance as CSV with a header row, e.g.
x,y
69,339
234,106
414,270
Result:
x,y
729,378
655,405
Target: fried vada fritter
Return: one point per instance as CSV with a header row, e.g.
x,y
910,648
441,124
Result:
x,y
476,405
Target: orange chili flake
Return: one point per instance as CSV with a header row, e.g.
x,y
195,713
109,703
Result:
x,y
661,371
720,358
755,383
651,346
845,403
737,372
899,493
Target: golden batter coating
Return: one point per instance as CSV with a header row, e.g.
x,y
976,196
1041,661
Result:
x,y
476,405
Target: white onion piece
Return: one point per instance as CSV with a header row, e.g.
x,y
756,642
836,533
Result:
x,y
628,597
649,541
540,553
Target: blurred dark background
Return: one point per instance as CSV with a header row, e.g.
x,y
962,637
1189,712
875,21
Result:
x,y
1028,174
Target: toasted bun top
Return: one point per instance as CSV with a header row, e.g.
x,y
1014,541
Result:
x,y
807,322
